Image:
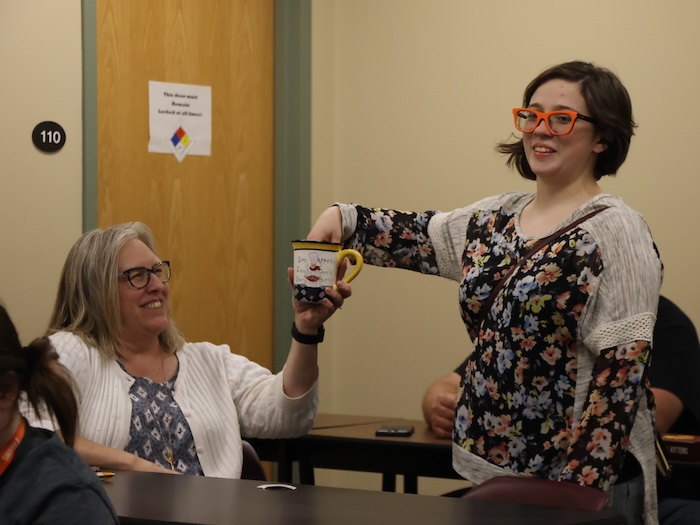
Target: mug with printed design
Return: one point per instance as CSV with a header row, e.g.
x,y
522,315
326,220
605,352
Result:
x,y
316,267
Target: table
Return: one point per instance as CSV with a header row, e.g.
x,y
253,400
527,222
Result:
x,y
324,420
357,448
285,453
347,442
141,497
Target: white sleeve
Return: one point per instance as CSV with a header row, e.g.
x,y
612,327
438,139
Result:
x,y
623,307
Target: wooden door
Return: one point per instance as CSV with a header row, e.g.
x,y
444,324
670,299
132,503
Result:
x,y
212,216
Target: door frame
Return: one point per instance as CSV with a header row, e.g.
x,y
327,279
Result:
x,y
292,143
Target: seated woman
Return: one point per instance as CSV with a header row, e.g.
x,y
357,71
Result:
x,y
42,480
150,400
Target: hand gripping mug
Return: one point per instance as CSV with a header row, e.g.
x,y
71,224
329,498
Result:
x,y
316,268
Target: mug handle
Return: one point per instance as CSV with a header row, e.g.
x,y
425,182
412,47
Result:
x,y
342,254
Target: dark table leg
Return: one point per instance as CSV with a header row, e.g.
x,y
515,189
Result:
x,y
285,463
388,482
306,472
410,484
281,451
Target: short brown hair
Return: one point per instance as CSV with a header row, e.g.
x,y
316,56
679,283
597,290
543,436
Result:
x,y
608,103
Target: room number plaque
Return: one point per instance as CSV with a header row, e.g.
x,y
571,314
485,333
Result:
x,y
48,136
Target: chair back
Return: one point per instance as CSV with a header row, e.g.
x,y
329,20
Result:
x,y
543,492
252,467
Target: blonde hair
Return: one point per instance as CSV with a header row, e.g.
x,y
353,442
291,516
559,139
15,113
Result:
x,y
87,303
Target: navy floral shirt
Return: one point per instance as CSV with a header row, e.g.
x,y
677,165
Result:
x,y
518,393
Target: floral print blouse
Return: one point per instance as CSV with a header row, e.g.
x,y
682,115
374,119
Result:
x,y
529,404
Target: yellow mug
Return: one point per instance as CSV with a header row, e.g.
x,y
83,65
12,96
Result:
x,y
316,268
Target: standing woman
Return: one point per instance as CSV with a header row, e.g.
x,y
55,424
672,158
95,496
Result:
x,y
556,385
42,480
151,401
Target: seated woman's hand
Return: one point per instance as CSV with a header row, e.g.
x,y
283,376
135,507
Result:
x,y
142,465
310,316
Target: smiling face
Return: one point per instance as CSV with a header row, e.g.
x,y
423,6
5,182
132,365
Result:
x,y
566,157
143,311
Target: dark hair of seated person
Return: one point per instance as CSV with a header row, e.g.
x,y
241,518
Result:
x,y
35,370
42,479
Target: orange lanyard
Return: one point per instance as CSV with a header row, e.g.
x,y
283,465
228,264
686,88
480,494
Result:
x,y
7,454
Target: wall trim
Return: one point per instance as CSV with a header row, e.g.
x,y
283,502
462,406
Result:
x,y
89,25
292,153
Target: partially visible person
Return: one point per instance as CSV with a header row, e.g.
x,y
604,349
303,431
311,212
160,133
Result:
x,y
675,382
42,480
558,290
148,399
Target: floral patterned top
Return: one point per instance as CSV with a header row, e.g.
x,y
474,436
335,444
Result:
x,y
557,379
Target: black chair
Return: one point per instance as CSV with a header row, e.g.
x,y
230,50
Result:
x,y
252,467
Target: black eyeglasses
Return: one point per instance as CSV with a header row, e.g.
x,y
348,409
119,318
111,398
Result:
x,y
140,277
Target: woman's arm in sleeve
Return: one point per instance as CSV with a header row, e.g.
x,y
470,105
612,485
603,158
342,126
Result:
x,y
384,237
600,438
392,238
617,329
301,367
429,242
105,457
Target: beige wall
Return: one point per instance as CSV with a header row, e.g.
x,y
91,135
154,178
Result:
x,y
409,98
40,194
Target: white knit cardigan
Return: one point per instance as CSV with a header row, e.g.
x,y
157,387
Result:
x,y
222,395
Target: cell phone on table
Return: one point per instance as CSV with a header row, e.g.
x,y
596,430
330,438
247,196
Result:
x,y
394,431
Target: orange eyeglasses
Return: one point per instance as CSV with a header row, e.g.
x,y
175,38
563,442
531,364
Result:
x,y
559,122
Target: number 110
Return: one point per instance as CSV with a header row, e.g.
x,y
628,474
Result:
x,y
52,137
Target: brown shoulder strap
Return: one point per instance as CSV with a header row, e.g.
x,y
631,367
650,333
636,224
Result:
x,y
532,251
